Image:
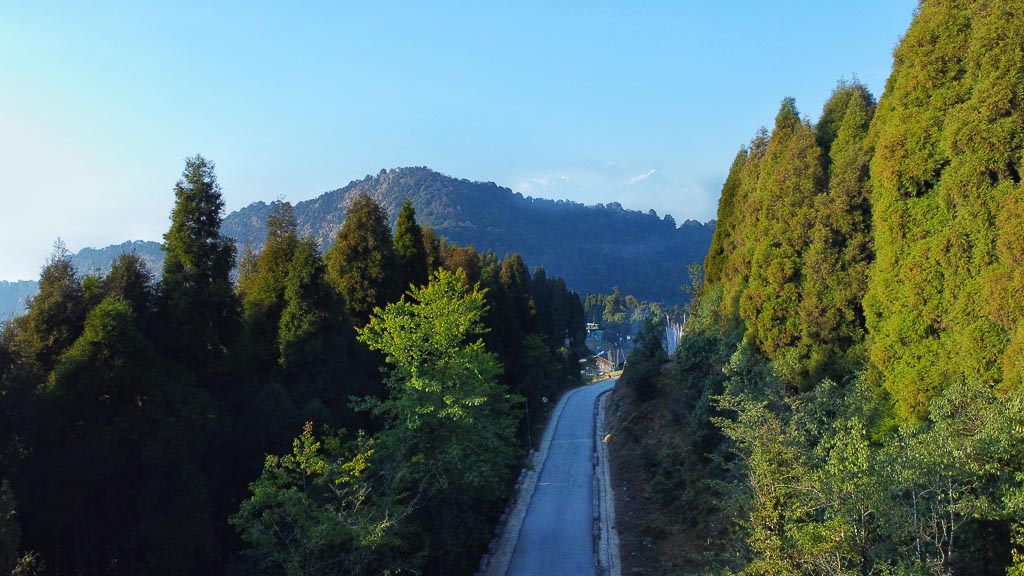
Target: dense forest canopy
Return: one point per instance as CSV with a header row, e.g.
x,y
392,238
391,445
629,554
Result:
x,y
137,415
848,388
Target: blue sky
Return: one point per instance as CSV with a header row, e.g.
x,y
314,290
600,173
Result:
x,y
644,103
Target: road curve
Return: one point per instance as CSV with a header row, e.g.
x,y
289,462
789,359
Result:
x,y
557,534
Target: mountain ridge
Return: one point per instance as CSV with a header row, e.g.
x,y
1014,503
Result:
x,y
595,248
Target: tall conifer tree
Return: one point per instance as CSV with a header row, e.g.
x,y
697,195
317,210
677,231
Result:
x,y
201,311
723,242
836,261
410,248
263,291
316,341
736,267
361,265
56,314
944,296
782,212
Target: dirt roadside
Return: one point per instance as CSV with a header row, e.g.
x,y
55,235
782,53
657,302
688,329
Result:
x,y
665,525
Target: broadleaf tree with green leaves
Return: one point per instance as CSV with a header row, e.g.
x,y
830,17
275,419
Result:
x,y
450,426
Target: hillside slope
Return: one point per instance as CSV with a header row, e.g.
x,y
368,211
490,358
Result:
x,y
594,248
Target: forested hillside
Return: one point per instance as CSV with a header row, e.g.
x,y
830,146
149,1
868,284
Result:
x,y
595,248
848,390
363,411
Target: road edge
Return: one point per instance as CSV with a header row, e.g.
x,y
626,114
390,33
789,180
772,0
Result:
x,y
607,544
501,556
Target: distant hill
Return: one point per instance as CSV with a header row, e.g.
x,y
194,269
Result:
x,y
13,295
594,248
98,260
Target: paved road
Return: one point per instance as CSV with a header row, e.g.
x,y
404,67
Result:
x,y
557,535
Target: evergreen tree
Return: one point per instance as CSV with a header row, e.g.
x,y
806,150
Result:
x,y
782,214
410,248
512,320
56,314
560,314
614,315
199,304
593,308
121,449
722,242
834,114
517,308
131,280
837,258
577,326
246,270
737,266
551,299
263,289
644,363
432,249
200,321
943,299
316,342
361,265
541,296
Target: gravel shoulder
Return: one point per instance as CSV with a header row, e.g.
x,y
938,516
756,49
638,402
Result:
x,y
608,540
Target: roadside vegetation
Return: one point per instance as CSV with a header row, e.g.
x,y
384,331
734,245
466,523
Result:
x,y
360,412
846,397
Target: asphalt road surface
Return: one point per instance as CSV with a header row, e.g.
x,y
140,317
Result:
x,y
557,537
